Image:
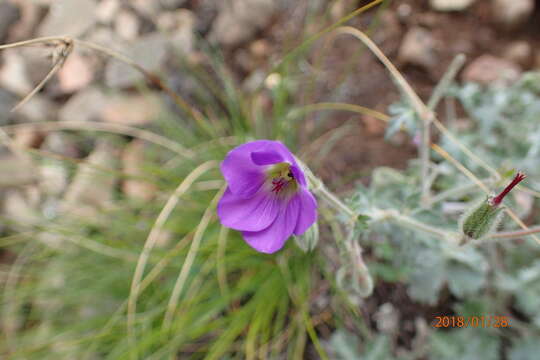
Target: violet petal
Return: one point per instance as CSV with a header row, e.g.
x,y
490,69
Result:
x,y
273,238
266,157
308,211
253,214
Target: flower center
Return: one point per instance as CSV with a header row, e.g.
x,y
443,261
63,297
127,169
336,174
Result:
x,y
282,179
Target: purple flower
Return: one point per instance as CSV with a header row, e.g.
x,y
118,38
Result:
x,y
267,197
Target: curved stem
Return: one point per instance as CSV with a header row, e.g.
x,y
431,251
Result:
x,y
516,234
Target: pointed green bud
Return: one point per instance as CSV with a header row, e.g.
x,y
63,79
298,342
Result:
x,y
485,216
481,220
308,240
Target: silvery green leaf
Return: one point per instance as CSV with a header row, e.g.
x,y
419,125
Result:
x,y
464,344
427,277
525,349
344,345
464,281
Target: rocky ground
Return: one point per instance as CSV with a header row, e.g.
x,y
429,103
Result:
x,y
500,38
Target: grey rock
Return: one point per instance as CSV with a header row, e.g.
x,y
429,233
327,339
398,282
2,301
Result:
x,y
9,14
179,26
13,73
127,25
450,5
519,52
107,10
172,4
7,102
512,13
418,48
38,109
69,17
148,51
92,189
149,8
239,20
488,69
14,172
86,105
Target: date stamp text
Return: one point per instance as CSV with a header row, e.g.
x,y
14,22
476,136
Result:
x,y
471,321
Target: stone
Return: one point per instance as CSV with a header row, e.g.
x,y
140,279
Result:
x,y
69,17
512,14
107,10
53,178
20,210
127,25
148,51
21,171
63,144
179,25
450,5
27,138
238,21
148,8
133,110
418,48
260,48
9,15
13,75
172,4
75,74
488,69
92,188
86,105
132,163
519,52
7,102
30,15
40,108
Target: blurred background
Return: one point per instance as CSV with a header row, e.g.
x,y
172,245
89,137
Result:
x,y
98,151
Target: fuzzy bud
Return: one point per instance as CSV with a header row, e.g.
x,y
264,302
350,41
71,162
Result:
x,y
485,216
308,240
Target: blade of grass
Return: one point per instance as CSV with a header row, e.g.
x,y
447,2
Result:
x,y
186,267
151,241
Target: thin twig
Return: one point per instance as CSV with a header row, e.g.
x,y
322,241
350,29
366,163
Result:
x,y
69,44
516,234
425,114
105,127
446,80
62,54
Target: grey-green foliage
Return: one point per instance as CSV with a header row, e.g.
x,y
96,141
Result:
x,y
488,279
403,117
464,344
525,349
343,345
429,262
524,284
505,125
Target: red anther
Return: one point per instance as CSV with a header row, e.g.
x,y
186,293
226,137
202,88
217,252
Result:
x,y
278,184
499,198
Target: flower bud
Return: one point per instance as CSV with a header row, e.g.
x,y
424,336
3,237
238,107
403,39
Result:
x,y
485,216
308,240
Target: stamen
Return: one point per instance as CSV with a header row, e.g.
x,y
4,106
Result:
x,y
279,184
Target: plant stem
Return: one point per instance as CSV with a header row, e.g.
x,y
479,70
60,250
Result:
x,y
516,234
